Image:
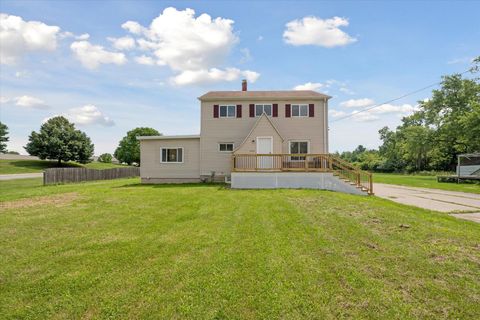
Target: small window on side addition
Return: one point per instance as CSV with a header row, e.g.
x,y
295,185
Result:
x,y
171,155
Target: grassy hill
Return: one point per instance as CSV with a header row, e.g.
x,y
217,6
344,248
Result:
x,y
31,166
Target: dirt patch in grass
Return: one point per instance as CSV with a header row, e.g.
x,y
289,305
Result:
x,y
58,200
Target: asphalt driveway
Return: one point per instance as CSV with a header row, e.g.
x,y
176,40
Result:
x,y
433,199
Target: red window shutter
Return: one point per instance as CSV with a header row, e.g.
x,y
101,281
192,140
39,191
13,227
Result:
x,y
287,111
311,110
275,110
215,111
239,110
252,110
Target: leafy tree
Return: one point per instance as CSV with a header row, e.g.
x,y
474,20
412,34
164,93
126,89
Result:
x,y
415,147
3,137
105,158
128,149
445,125
58,139
451,112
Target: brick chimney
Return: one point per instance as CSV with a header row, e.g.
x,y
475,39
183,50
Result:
x,y
244,85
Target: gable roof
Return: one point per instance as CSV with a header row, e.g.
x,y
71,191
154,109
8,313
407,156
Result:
x,y
263,95
247,137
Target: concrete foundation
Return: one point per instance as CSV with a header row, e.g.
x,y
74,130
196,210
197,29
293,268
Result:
x,y
169,180
292,180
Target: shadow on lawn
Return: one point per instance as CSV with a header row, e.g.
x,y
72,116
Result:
x,y
41,165
174,185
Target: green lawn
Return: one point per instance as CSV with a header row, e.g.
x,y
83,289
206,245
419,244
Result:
x,y
31,166
424,182
118,249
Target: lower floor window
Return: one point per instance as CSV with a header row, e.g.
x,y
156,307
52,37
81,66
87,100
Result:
x,y
227,147
174,155
298,147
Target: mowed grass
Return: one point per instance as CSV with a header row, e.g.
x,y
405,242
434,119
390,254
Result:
x,y
118,249
32,166
424,182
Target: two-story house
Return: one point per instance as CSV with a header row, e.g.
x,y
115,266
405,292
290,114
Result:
x,y
253,138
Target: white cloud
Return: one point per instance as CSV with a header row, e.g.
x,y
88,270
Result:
x,y
87,115
316,31
213,75
246,55
84,36
91,56
4,99
134,27
365,117
309,86
17,37
357,103
403,109
346,90
30,102
375,113
260,38
68,34
193,47
146,60
21,74
123,43
336,114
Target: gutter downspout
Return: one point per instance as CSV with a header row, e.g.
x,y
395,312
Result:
x,y
325,124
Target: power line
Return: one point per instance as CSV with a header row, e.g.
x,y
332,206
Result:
x,y
392,100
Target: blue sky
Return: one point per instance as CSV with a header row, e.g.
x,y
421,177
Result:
x,y
82,60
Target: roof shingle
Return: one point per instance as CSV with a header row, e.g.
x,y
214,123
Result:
x,y
286,94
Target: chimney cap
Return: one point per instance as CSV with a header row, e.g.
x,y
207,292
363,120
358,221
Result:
x,y
244,85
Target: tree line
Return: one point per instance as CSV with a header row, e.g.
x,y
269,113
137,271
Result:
x,y
445,125
59,140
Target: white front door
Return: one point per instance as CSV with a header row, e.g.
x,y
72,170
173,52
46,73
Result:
x,y
264,146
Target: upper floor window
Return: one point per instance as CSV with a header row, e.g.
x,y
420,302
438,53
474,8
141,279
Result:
x,y
263,108
299,110
228,111
171,155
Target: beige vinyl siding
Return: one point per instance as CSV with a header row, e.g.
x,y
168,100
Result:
x,y
263,129
152,168
215,130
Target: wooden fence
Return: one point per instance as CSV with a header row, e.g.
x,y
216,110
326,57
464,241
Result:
x,y
71,175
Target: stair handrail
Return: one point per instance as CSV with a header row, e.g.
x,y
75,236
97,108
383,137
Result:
x,y
358,173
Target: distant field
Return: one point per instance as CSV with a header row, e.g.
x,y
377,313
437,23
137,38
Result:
x,y
31,166
424,182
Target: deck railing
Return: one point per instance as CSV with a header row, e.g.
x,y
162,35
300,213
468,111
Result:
x,y
303,163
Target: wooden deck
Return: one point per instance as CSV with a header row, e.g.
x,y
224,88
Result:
x,y
303,163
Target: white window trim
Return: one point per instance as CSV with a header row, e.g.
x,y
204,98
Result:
x,y
233,147
290,148
227,105
263,137
263,109
299,113
171,162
